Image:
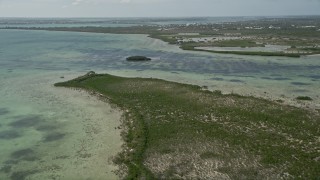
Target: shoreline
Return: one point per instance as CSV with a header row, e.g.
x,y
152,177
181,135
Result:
x,y
77,131
102,141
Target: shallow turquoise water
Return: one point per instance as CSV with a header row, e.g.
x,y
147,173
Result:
x,y
43,128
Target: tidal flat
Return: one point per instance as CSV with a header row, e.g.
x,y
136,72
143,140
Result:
x,y
180,131
58,134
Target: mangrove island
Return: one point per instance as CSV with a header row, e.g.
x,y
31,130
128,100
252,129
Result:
x,y
138,58
180,131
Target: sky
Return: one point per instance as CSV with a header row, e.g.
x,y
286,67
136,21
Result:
x,y
156,8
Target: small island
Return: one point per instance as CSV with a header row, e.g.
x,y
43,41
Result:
x,y
138,58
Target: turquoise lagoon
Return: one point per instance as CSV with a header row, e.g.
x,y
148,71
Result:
x,y
57,133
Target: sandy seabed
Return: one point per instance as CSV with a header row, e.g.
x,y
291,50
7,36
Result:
x,y
75,135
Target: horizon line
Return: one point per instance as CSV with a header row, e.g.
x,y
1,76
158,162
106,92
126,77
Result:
x,y
158,16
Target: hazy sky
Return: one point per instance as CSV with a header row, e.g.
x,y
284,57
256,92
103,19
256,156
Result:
x,y
156,8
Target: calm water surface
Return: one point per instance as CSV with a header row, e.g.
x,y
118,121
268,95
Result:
x,y
48,132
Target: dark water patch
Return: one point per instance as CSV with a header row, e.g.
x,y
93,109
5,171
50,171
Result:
x,y
275,75
3,111
217,79
282,79
175,62
24,154
246,76
268,78
139,70
300,83
173,72
236,80
302,75
22,175
9,134
276,79
28,121
45,128
6,169
11,161
313,67
315,76
53,137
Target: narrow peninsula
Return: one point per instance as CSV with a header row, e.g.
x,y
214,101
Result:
x,y
180,131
